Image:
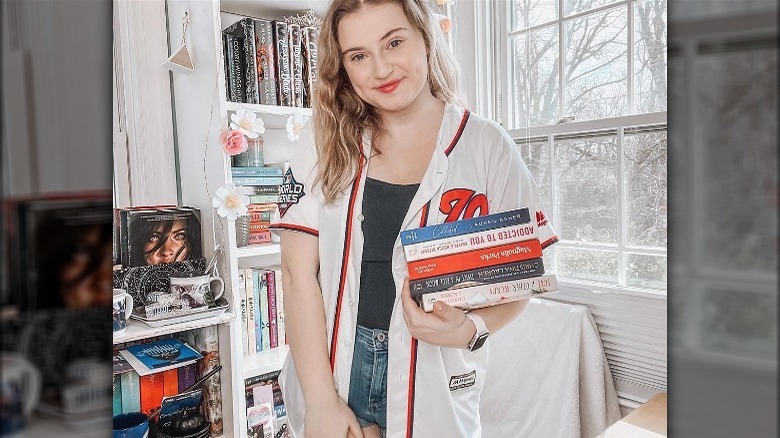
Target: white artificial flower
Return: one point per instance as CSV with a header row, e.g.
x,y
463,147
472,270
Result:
x,y
231,201
247,122
295,124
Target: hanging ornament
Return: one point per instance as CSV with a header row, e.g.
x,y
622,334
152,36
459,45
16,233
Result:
x,y
180,61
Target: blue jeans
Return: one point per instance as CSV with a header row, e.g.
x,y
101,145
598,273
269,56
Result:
x,y
368,382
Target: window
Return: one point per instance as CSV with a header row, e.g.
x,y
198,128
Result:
x,y
586,104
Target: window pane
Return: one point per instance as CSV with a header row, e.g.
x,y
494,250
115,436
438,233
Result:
x,y
736,106
646,271
590,265
645,167
536,84
649,56
586,175
596,65
527,13
537,158
741,321
574,6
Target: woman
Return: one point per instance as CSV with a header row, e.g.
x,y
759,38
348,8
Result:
x,y
168,241
391,150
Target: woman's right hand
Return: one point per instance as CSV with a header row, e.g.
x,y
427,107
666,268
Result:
x,y
331,419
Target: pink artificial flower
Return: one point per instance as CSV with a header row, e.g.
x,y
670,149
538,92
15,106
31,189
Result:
x,y
446,25
233,141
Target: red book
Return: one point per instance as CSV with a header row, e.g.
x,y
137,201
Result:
x,y
481,258
152,390
171,382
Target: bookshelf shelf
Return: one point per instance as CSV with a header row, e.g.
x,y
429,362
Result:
x,y
273,8
258,250
137,330
274,116
265,361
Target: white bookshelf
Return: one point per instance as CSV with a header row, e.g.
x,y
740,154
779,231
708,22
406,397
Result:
x,y
137,330
201,111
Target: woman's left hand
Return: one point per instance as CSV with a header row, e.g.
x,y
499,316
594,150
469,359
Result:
x,y
446,326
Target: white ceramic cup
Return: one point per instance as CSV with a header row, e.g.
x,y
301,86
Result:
x,y
122,309
198,290
20,390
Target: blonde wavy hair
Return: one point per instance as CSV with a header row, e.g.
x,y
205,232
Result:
x,y
341,117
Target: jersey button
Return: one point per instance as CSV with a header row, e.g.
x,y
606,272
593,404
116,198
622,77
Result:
x,y
351,303
361,217
347,343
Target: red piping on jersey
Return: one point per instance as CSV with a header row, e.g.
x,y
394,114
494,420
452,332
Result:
x,y
344,264
549,241
459,133
293,227
413,359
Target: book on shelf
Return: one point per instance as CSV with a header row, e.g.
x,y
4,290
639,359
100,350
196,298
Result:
x,y
171,381
260,415
258,180
260,237
206,341
250,312
280,331
263,190
262,284
242,295
177,406
144,232
235,80
264,389
263,199
282,62
152,387
243,31
264,61
188,375
120,365
116,387
259,332
256,171
309,55
296,63
272,322
160,355
131,391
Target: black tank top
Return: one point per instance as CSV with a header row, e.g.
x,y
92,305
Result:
x,y
384,208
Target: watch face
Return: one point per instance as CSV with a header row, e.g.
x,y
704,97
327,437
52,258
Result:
x,y
480,341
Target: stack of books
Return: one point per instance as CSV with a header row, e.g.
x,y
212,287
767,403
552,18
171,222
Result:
x,y
266,414
262,184
270,62
475,263
262,309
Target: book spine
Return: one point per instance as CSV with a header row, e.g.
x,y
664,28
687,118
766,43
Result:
x,y
296,64
263,190
152,388
116,385
492,275
256,171
247,26
171,382
263,199
131,391
258,311
458,228
242,294
258,180
256,227
272,326
309,45
226,64
235,48
261,207
250,312
260,216
497,255
280,330
187,376
264,59
283,74
260,237
264,310
469,242
207,341
272,375
491,294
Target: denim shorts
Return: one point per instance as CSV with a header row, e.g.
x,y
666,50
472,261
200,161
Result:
x,y
368,382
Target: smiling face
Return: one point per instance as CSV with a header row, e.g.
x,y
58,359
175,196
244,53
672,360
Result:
x,y
384,56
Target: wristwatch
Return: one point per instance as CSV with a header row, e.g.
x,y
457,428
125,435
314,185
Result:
x,y
479,338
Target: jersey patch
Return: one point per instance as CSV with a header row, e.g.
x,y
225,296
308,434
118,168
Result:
x,y
462,203
463,381
290,192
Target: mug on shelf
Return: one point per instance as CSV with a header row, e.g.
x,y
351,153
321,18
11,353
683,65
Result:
x,y
197,289
131,425
122,309
20,391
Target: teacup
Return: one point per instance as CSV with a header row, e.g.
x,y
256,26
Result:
x,y
20,391
197,289
132,425
122,309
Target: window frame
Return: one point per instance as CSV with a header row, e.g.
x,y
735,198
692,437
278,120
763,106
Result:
x,y
502,17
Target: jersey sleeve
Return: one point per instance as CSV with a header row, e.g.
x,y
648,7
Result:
x,y
299,201
511,185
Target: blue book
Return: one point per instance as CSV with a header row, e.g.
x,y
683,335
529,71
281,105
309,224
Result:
x,y
258,315
160,355
116,385
256,171
258,180
131,392
466,226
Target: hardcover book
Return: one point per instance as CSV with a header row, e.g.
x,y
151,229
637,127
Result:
x,y
309,46
244,31
469,242
465,226
272,325
177,406
131,392
479,276
233,49
151,392
296,63
283,73
256,171
162,235
160,355
251,331
487,295
264,60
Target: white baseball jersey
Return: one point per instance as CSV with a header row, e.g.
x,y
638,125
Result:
x,y
475,170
